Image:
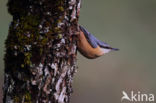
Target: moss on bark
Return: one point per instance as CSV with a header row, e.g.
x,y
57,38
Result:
x,y
40,57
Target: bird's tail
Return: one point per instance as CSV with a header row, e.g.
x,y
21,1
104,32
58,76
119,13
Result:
x,y
108,47
114,49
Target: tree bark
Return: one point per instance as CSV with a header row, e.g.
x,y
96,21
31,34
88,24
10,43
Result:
x,y
40,57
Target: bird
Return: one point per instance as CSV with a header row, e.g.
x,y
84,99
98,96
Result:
x,y
90,47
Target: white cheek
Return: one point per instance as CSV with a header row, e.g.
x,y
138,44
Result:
x,y
106,50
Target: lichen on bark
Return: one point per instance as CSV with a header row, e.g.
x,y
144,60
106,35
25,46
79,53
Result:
x,y
40,58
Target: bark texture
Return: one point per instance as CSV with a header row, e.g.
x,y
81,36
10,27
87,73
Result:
x,y
40,57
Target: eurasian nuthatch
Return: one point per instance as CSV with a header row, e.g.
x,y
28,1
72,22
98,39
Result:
x,y
90,47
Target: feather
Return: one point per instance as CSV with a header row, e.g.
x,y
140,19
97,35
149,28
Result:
x,y
94,42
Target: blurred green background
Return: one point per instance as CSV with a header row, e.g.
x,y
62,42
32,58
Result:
x,y
129,25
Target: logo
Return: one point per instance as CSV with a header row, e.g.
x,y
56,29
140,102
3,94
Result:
x,y
137,97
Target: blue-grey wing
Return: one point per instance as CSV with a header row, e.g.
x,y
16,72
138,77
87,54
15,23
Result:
x,y
94,42
90,38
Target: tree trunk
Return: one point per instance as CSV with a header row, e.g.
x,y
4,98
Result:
x,y
40,57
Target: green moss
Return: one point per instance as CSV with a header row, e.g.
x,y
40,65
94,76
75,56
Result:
x,y
44,41
27,97
27,59
25,33
16,99
59,36
22,65
61,8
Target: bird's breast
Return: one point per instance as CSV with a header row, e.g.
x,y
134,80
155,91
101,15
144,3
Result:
x,y
86,49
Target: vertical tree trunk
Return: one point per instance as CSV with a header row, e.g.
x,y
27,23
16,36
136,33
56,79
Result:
x,y
40,57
